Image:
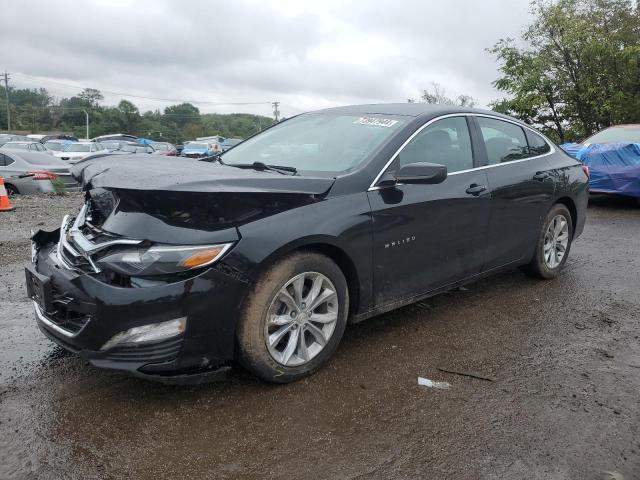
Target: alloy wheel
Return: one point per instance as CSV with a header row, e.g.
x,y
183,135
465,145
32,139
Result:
x,y
556,241
301,319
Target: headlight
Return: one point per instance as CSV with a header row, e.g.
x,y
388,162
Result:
x,y
160,260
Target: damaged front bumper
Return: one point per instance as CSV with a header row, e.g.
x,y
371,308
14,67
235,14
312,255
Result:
x,y
78,308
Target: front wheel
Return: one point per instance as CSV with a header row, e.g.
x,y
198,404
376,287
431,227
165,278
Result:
x,y
554,243
294,318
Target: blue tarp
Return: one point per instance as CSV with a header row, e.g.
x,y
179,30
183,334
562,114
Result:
x,y
613,167
144,141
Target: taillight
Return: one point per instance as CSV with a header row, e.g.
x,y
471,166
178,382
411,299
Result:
x,y
585,169
43,175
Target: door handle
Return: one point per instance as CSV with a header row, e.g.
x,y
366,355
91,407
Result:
x,y
540,176
475,189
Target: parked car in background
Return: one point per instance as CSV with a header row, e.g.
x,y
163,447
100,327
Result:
x,y
36,136
165,148
136,148
113,145
43,169
230,142
200,149
116,136
10,137
59,136
76,151
266,253
31,145
57,145
613,158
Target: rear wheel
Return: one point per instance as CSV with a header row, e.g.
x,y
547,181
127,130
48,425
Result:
x,y
294,318
11,190
554,243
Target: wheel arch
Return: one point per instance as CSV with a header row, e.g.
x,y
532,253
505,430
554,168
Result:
x,y
571,206
11,185
329,248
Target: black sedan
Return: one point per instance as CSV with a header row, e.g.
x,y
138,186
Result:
x,y
264,254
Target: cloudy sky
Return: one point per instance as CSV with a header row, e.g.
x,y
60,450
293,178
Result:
x,y
306,54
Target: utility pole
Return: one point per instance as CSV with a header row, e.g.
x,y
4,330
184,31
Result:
x,y
276,112
6,93
87,118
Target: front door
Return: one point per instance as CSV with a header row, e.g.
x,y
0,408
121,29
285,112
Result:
x,y
428,236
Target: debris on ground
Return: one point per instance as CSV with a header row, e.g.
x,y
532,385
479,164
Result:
x,y
467,374
425,382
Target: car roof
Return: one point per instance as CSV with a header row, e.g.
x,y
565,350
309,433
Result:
x,y
405,109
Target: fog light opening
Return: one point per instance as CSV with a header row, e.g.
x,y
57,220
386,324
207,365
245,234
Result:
x,y
153,332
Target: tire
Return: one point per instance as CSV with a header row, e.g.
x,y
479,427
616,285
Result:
x,y
265,315
11,190
548,266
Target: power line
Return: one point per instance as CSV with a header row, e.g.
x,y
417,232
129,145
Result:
x,y
131,95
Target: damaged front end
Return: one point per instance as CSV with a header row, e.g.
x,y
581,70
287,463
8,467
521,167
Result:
x,y
138,280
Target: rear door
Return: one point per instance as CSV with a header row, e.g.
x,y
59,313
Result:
x,y
522,188
428,236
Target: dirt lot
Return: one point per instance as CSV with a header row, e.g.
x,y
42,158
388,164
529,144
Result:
x,y
564,403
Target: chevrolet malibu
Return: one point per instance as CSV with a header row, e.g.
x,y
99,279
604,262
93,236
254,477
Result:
x,y
264,254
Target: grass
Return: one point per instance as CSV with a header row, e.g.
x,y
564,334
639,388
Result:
x,y
58,187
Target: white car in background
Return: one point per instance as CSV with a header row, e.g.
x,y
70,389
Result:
x,y
31,145
77,151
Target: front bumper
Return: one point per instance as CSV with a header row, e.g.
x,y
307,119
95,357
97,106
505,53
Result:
x,y
82,312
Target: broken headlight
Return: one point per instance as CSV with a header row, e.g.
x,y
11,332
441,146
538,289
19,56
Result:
x,y
160,260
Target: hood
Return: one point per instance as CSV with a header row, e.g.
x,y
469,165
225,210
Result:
x,y
141,172
164,200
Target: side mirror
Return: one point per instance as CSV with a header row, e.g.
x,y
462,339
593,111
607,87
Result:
x,y
422,172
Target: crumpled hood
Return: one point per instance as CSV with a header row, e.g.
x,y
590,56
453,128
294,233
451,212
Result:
x,y
182,201
160,173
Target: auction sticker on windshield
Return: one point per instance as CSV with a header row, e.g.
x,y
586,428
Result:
x,y
376,122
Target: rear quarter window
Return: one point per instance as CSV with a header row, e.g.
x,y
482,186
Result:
x,y
537,144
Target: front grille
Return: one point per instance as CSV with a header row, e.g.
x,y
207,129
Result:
x,y
165,351
63,314
77,262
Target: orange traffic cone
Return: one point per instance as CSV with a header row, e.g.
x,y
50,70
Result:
x,y
5,204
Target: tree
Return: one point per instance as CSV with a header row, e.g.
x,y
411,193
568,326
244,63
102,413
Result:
x,y
438,95
579,68
130,115
91,96
182,114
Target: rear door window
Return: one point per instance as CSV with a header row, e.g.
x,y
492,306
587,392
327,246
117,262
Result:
x,y
504,141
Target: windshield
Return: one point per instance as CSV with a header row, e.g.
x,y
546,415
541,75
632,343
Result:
x,y
321,142
196,146
55,146
629,134
78,147
136,149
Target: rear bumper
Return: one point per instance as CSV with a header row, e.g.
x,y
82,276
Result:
x,y
88,312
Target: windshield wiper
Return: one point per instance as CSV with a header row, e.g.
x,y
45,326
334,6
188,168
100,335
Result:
x,y
213,158
260,166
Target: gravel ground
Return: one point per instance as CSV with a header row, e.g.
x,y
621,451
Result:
x,y
563,358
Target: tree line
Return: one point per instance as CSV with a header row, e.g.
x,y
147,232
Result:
x,y
35,110
576,69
